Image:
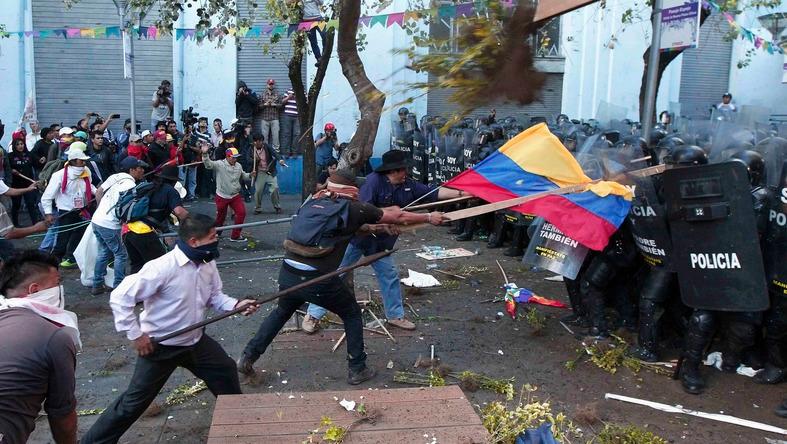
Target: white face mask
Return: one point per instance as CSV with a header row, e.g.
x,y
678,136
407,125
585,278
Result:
x,y
76,169
51,296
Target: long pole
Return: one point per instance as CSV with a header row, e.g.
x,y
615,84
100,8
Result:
x,y
361,263
653,70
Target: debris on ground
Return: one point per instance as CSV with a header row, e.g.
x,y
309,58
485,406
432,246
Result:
x,y
611,355
90,412
184,392
431,253
505,423
420,280
630,434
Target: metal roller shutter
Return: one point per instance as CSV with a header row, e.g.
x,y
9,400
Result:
x,y
551,97
76,76
705,74
259,60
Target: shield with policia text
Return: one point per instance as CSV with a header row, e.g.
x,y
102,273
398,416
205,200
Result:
x,y
776,238
716,251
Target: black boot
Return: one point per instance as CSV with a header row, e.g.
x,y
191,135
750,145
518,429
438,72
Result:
x,y
771,374
647,349
690,377
458,227
469,230
497,237
578,317
517,247
593,300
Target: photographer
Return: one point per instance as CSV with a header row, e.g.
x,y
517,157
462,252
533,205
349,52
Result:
x,y
245,102
190,147
325,144
162,104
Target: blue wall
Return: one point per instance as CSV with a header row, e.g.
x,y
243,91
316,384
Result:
x,y
290,179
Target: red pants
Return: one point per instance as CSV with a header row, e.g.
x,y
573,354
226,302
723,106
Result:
x,y
237,206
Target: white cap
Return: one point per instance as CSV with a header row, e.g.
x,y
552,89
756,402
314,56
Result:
x,y
146,133
76,154
66,130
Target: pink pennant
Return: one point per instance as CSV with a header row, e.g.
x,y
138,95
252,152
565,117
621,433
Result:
x,y
152,32
73,32
397,18
757,42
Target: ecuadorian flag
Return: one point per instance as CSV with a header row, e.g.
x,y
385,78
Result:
x,y
535,161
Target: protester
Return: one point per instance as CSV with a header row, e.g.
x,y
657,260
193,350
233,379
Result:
x,y
40,152
175,291
34,135
312,12
122,139
229,175
136,148
71,192
325,144
38,353
158,151
246,101
21,162
388,186
147,137
269,114
107,226
101,159
322,179
264,173
290,127
190,150
7,228
302,264
162,104
218,132
141,240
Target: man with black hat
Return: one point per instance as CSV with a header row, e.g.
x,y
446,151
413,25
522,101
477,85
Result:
x,y
106,225
387,186
141,240
333,216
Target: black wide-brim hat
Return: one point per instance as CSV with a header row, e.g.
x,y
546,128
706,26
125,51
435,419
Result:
x,y
169,172
394,160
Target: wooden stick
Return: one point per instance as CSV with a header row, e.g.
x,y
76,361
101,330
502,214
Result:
x,y
439,202
488,208
342,324
361,263
190,164
505,278
339,342
382,325
25,177
449,274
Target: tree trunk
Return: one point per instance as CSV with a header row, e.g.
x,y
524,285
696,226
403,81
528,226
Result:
x,y
307,104
664,61
370,99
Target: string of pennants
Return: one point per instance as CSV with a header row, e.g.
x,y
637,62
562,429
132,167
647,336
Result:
x,y
758,42
152,32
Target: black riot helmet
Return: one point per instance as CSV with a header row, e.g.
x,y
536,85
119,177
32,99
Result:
x,y
670,143
755,165
686,155
613,136
403,112
633,141
562,118
656,135
497,131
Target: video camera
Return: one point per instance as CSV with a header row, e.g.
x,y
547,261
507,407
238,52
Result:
x,y
188,117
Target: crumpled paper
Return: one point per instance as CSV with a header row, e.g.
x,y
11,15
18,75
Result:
x,y
714,360
420,280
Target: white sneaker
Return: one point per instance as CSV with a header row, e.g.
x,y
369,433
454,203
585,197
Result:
x,y
310,324
238,239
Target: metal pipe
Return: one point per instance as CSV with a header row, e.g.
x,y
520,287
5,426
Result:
x,y
653,70
248,224
254,259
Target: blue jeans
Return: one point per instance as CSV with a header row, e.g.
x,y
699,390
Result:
x,y
50,239
188,176
387,279
110,243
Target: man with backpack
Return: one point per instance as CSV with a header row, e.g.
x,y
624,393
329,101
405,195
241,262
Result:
x,y
141,240
107,227
318,237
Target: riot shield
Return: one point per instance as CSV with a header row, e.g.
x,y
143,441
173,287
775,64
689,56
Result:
x,y
454,159
714,236
420,169
774,151
552,250
402,135
649,223
727,139
775,251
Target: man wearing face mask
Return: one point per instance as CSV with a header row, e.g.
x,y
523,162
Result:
x,y
176,291
71,191
38,355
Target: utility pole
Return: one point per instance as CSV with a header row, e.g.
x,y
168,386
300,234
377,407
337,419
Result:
x,y
653,69
127,37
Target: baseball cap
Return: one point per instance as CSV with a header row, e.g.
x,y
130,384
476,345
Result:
x,y
135,137
146,133
271,82
132,162
65,131
77,146
158,134
76,154
81,135
232,152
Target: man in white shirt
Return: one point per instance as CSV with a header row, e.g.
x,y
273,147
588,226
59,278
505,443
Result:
x,y
726,104
34,135
162,104
176,289
106,225
70,191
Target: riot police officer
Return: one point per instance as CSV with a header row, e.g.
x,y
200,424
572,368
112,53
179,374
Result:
x,y
651,236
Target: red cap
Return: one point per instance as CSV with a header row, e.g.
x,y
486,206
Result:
x,y
159,133
18,134
329,126
271,81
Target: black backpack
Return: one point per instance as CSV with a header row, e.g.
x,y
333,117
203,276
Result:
x,y
134,204
319,223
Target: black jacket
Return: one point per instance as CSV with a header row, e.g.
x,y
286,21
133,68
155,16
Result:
x,y
245,104
273,159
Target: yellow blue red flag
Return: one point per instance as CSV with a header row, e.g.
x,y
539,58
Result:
x,y
535,161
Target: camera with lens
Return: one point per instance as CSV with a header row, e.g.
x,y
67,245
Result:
x,y
188,117
163,92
